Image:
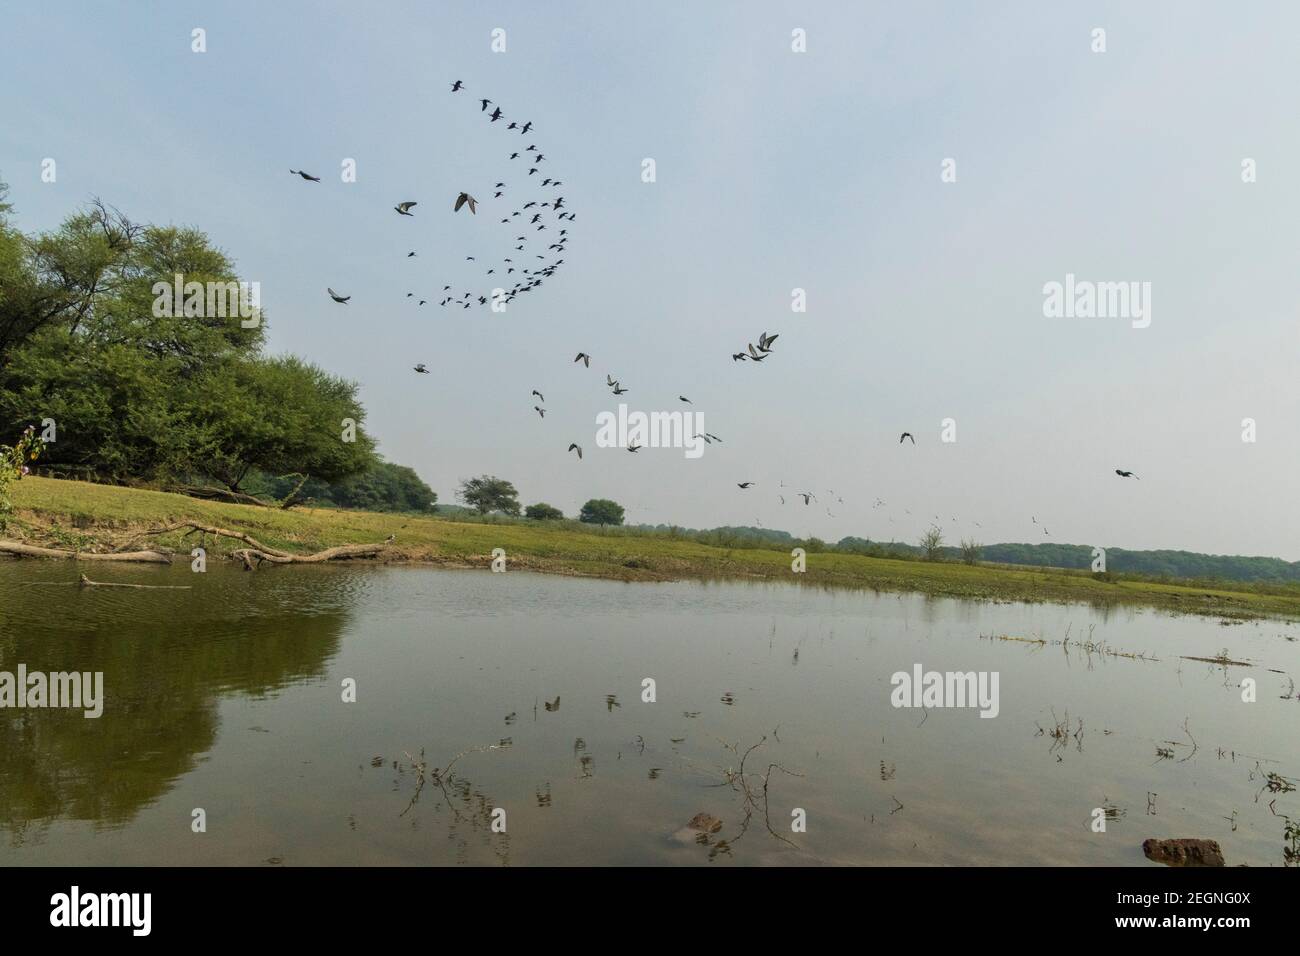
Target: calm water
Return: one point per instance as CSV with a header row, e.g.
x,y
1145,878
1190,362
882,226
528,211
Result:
x,y
228,697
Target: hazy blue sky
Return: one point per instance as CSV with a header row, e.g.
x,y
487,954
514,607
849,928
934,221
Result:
x,y
775,170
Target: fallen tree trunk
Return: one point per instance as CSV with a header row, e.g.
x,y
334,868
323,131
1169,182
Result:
x,y
31,551
258,552
194,526
218,494
85,582
329,554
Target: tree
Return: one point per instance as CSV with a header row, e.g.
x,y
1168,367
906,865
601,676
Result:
x,y
970,550
489,493
384,487
279,415
931,542
543,512
601,511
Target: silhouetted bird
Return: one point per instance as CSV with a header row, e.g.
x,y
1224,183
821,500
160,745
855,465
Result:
x,y
578,448
421,369
743,484
906,435
1126,474
584,358
463,199
484,106
336,297
403,207
307,176
457,86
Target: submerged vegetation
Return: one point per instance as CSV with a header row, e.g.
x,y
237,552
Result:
x,y
87,517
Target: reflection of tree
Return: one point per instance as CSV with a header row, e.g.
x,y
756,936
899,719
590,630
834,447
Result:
x,y
167,659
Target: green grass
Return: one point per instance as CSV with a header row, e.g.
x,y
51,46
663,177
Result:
x,y
71,514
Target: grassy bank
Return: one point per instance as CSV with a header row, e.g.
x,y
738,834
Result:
x,y
81,516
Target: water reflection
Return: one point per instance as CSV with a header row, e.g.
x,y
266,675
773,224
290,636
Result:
x,y
166,662
772,711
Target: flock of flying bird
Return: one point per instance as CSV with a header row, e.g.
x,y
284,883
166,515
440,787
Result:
x,y
545,210
548,209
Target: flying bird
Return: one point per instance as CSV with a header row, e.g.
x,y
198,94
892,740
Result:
x,y
464,198
539,395
421,369
906,435
307,176
456,87
485,105
403,207
683,398
578,448
584,358
540,411
1126,474
336,297
496,114
633,447
743,484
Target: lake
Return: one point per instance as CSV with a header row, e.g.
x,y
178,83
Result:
x,y
228,698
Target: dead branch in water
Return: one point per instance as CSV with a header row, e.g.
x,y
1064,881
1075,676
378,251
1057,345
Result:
x,y
85,582
438,776
31,551
755,797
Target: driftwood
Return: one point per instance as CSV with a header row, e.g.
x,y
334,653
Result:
x,y
329,554
85,582
194,527
256,552
31,551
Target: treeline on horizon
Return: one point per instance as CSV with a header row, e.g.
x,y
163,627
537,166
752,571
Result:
x,y
173,400
1153,564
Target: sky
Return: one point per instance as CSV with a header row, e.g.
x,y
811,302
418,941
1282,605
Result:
x,y
775,170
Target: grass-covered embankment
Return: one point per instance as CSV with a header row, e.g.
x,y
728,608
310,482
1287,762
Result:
x,y
81,516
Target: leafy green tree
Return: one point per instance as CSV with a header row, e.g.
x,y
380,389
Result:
x,y
384,487
543,512
601,511
489,493
279,415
